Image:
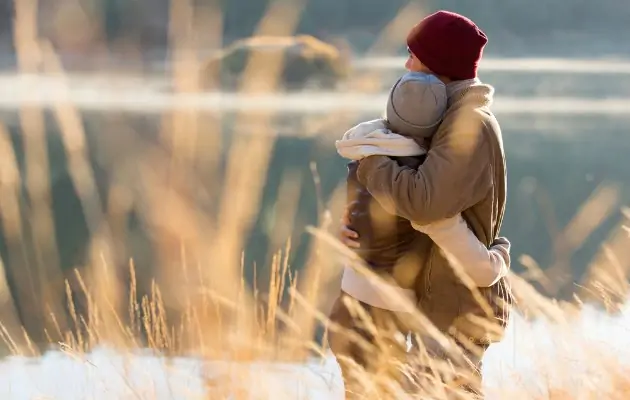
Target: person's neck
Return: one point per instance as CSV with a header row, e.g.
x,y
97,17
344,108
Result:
x,y
455,87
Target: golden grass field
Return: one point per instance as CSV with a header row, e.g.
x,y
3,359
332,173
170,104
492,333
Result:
x,y
199,302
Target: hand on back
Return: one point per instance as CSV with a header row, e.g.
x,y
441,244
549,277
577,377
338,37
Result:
x,y
347,235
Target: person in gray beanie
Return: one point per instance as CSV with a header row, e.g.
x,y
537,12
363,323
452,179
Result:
x,y
387,243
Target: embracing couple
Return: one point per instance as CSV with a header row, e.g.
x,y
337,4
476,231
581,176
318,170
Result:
x,y
426,198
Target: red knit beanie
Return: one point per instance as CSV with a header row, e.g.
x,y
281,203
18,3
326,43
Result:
x,y
449,44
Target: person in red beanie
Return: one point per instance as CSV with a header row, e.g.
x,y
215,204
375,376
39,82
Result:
x,y
464,172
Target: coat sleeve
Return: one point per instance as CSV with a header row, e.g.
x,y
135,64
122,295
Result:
x,y
456,175
485,266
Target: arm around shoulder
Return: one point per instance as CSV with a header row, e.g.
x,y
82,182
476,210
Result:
x,y
482,265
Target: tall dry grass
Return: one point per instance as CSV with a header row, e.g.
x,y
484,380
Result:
x,y
199,212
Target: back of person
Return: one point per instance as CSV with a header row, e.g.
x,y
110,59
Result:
x,y
484,218
384,238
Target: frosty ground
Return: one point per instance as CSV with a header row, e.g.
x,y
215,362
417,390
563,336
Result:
x,y
527,361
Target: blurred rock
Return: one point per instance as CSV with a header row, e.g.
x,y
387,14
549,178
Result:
x,y
277,63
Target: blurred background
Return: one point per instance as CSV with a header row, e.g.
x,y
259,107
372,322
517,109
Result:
x,y
154,134
569,29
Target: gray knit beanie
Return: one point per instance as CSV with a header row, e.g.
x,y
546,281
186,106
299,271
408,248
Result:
x,y
416,105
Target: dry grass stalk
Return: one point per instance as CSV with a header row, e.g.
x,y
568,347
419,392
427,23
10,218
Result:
x,y
198,301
